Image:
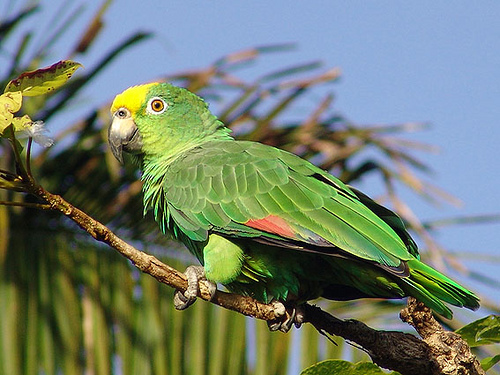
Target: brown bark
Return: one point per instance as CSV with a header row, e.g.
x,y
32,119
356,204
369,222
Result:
x,y
450,353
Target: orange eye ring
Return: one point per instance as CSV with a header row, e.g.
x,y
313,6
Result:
x,y
157,106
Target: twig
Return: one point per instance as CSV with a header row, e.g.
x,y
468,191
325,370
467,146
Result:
x,y
39,206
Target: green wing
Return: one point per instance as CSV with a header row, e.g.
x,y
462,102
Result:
x,y
244,189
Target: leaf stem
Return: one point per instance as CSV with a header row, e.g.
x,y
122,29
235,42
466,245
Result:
x,y
28,155
17,155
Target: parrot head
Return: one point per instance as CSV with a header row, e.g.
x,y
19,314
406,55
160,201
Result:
x,y
159,120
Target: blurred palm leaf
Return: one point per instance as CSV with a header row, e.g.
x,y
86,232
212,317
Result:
x,y
72,306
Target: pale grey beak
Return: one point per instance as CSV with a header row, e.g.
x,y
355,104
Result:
x,y
123,134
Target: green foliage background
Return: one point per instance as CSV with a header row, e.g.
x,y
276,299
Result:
x,y
68,305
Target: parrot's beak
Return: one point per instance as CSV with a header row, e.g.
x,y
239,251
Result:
x,y
123,134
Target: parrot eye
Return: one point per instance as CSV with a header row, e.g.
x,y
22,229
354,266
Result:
x,y
156,106
122,113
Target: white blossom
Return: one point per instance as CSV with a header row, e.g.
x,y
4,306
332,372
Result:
x,y
37,131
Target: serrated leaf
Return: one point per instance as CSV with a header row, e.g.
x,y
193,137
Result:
x,y
340,367
10,103
489,362
482,332
44,80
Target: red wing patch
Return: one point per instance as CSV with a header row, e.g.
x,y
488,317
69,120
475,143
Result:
x,y
276,225
273,224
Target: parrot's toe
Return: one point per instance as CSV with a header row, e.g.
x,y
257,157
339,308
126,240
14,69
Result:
x,y
211,287
194,275
181,302
286,317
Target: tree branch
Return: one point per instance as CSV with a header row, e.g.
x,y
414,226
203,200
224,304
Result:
x,y
448,350
439,352
393,350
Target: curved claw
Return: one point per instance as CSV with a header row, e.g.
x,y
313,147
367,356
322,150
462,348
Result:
x,y
181,302
194,275
286,317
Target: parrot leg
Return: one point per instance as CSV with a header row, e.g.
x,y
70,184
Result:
x,y
286,317
194,275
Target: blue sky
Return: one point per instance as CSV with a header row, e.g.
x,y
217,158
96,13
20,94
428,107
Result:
x,y
430,61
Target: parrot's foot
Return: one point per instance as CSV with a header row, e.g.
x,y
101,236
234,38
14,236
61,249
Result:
x,y
194,275
286,317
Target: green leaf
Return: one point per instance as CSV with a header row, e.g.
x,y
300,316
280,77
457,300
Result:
x,y
14,185
10,103
339,367
44,80
482,332
489,362
21,123
8,133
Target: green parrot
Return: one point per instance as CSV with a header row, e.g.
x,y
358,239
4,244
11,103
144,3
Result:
x,y
264,222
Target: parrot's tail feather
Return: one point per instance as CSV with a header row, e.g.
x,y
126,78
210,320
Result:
x,y
431,287
421,294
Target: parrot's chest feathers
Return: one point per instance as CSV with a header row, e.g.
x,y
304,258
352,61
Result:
x,y
154,195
